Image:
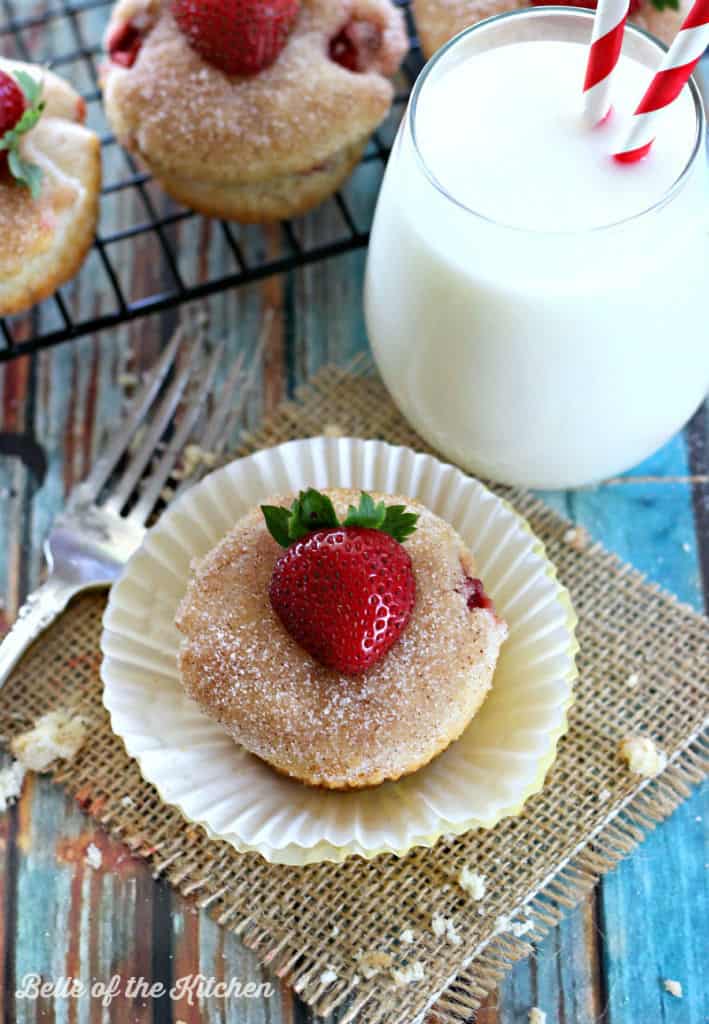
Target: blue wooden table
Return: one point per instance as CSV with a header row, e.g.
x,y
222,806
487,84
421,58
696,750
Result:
x,y
605,963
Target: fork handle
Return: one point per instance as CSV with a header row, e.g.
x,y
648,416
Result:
x,y
39,610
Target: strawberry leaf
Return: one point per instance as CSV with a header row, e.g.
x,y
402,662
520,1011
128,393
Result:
x,y
313,511
31,87
368,514
399,523
24,172
277,523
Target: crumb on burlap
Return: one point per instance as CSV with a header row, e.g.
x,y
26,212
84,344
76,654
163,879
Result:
x,y
58,735
335,931
642,756
333,430
577,537
537,1016
93,856
407,936
673,987
504,923
11,779
127,801
372,963
441,926
472,883
604,795
328,976
633,680
409,975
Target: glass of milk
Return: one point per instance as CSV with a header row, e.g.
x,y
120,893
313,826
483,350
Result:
x,y
537,309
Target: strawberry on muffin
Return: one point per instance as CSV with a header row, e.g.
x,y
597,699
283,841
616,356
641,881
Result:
x,y
252,110
50,178
342,637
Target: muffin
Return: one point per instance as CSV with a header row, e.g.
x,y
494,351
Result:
x,y
427,665
437,21
261,145
49,184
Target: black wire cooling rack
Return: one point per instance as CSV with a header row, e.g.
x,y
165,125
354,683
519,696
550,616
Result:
x,y
150,254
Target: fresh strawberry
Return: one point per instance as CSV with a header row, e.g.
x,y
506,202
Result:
x,y
21,107
241,37
345,591
12,103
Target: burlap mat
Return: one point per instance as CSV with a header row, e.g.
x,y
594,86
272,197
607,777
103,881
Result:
x,y
590,814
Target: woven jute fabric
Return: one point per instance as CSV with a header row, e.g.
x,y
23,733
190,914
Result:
x,y
591,812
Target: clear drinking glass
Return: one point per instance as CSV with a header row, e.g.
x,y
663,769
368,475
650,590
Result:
x,y
547,359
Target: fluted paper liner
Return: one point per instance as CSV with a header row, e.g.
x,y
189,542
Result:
x,y
304,920
499,761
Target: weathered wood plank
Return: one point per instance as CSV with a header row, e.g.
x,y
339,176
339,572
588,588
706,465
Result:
x,y
115,918
651,907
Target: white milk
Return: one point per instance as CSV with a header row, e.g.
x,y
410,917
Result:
x,y
529,317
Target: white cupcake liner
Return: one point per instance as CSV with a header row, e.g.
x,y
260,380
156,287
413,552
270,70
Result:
x,y
486,775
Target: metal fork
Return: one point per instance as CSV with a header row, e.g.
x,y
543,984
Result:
x,y
92,539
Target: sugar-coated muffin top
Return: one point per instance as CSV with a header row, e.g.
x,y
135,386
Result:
x,y
245,670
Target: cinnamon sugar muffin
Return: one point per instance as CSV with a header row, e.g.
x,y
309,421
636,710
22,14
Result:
x,y
242,667
255,148
437,21
44,238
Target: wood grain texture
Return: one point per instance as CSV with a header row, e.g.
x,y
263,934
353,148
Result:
x,y
606,961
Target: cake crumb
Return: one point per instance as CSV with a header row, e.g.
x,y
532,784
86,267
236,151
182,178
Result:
x,y
504,923
633,680
642,756
407,936
673,987
408,975
604,795
537,1016
335,932
441,926
56,735
333,430
11,779
93,856
373,963
472,883
577,537
328,976
127,801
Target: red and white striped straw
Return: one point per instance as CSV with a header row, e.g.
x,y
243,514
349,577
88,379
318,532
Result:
x,y
680,60
606,44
